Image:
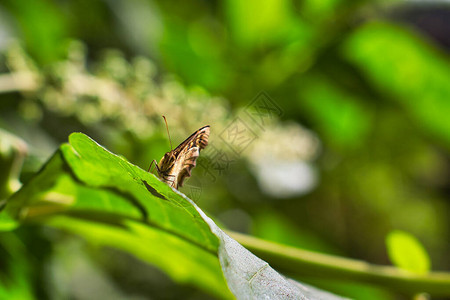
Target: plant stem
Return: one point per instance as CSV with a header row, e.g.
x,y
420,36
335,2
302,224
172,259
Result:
x,y
307,263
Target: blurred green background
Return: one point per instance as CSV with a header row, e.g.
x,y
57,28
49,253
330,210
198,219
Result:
x,y
346,107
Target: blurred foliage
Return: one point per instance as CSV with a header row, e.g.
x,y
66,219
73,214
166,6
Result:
x,y
365,85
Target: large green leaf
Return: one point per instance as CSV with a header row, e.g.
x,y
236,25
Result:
x,y
87,190
90,191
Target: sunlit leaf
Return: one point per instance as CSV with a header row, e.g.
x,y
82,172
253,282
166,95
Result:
x,y
7,223
85,181
89,191
406,252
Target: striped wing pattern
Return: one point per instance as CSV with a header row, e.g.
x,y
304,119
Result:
x,y
176,165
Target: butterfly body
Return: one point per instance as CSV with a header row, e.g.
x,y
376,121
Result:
x,y
176,165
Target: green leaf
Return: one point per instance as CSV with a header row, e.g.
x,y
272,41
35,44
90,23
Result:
x,y
15,280
83,186
89,191
249,19
412,73
42,26
7,223
342,118
180,259
406,252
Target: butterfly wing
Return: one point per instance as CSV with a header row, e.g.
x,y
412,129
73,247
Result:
x,y
182,168
198,138
186,155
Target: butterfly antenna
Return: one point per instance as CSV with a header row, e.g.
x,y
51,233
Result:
x,y
167,127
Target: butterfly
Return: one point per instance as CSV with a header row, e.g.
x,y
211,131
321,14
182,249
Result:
x,y
176,165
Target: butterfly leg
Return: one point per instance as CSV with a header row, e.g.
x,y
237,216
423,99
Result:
x,y
172,181
156,164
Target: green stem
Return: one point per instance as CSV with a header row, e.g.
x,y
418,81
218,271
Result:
x,y
306,263
12,154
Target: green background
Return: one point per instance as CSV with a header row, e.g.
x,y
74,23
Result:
x,y
368,84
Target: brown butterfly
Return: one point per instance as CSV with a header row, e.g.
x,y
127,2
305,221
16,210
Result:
x,y
176,165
